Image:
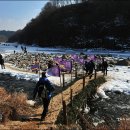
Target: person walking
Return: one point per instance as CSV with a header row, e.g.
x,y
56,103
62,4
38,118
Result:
x,y
86,67
2,62
91,68
104,67
44,90
1,56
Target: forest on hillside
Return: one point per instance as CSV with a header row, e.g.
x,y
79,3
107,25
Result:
x,y
4,35
83,24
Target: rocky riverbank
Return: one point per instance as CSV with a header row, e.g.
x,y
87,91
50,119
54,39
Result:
x,y
99,112
110,111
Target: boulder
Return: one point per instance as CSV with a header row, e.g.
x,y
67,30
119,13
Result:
x,y
123,62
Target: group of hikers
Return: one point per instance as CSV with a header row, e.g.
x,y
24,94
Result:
x,y
24,49
2,62
90,66
44,88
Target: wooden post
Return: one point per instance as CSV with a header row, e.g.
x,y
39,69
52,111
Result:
x,y
63,76
85,121
51,128
83,82
71,76
3,121
71,96
71,70
75,70
64,113
61,90
95,74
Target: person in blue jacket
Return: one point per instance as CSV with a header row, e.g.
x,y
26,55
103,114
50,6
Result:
x,y
44,90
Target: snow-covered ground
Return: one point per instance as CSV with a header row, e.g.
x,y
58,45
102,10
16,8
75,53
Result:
x,y
10,47
118,78
33,76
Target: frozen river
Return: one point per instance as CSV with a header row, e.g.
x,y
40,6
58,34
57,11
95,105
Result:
x,y
10,47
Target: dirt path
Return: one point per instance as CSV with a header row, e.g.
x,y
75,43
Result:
x,y
11,67
56,103
54,108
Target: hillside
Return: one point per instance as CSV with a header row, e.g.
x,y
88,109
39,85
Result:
x,y
4,35
91,24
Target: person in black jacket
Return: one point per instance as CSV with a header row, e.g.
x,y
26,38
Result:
x,y
1,56
2,62
91,68
44,90
104,67
86,67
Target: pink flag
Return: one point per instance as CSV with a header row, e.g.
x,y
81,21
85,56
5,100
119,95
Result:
x,y
54,71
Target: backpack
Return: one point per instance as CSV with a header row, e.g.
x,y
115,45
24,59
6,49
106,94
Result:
x,y
87,64
47,84
49,87
42,92
45,88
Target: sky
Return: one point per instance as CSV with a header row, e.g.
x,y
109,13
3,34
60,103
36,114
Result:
x,y
15,14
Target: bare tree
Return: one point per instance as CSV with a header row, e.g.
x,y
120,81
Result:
x,y
55,2
65,2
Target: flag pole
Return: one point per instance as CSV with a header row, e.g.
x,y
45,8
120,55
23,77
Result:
x,y
71,69
60,84
70,87
83,67
83,75
61,89
71,75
